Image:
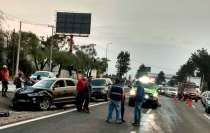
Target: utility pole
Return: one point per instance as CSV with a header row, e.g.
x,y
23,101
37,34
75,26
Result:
x,y
107,56
51,46
18,51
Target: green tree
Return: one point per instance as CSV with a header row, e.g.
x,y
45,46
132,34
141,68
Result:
x,y
123,63
172,81
143,70
201,59
160,78
186,70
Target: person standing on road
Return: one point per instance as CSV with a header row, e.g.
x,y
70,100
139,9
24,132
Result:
x,y
19,80
4,78
81,84
138,104
87,92
115,94
123,106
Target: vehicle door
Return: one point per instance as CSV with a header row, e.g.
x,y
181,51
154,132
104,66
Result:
x,y
70,89
58,89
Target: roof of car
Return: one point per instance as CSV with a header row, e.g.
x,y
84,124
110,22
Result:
x,y
44,71
60,79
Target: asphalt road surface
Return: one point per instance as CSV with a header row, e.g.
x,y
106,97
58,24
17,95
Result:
x,y
172,117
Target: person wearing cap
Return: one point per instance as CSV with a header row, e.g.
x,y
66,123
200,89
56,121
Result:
x,y
4,78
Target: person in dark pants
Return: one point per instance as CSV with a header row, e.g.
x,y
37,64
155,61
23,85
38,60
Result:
x,y
81,84
4,77
87,93
115,95
18,81
123,107
138,104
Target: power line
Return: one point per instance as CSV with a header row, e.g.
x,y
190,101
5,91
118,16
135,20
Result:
x,y
11,17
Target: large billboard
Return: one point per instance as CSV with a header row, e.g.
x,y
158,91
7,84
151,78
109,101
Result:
x,y
73,23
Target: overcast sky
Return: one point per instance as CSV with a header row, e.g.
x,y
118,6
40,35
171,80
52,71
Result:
x,y
159,33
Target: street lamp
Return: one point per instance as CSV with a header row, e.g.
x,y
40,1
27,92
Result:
x,y
107,45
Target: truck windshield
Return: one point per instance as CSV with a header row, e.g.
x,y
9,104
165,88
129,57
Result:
x,y
98,82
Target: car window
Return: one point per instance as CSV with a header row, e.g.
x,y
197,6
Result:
x,y
70,83
98,82
44,84
51,75
42,74
59,83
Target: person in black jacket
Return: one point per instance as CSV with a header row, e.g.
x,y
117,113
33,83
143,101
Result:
x,y
115,94
18,81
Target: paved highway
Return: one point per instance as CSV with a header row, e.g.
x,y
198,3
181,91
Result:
x,y
171,117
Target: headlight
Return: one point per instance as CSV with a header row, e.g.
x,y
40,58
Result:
x,y
33,94
146,96
132,92
103,91
155,95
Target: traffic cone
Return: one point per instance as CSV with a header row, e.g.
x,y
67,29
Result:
x,y
187,100
174,98
190,103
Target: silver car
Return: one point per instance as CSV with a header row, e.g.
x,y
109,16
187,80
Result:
x,y
205,100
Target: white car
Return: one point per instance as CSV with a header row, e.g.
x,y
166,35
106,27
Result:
x,y
171,91
205,100
43,75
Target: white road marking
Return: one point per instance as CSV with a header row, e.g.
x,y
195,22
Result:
x,y
44,117
133,132
148,111
208,117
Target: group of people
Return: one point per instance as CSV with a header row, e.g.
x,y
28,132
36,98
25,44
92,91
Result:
x,y
116,95
117,100
20,80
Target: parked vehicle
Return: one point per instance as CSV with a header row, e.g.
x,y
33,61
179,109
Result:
x,y
43,94
205,100
191,93
188,90
171,91
161,90
43,75
100,88
150,98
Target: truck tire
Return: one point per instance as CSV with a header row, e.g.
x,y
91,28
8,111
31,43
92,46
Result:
x,y
155,106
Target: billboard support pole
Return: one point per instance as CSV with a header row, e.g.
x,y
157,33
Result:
x,y
51,46
18,51
71,43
